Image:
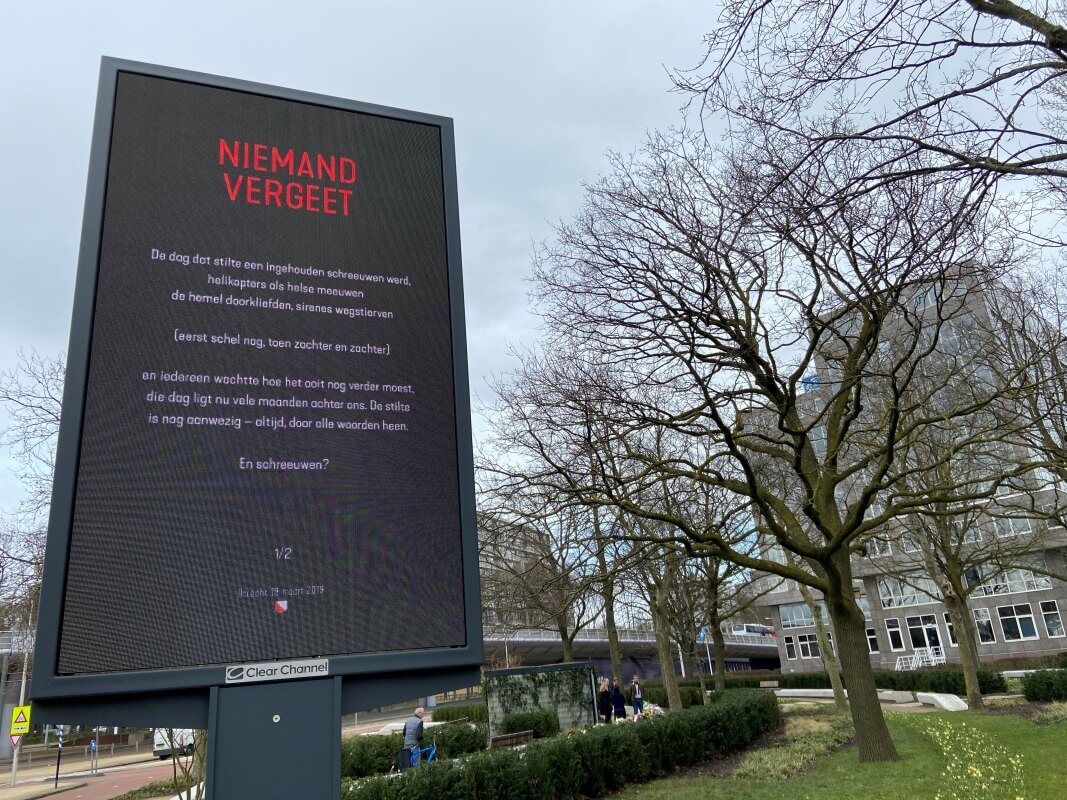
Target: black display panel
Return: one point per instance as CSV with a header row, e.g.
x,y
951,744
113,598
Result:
x,y
268,457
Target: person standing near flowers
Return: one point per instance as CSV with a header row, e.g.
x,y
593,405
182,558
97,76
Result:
x,y
618,700
637,696
603,701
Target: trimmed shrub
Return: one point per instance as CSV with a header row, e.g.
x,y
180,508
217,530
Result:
x,y
939,679
369,755
457,739
373,755
1045,685
475,712
690,695
543,723
590,762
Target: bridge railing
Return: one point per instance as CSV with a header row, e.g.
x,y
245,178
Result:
x,y
643,635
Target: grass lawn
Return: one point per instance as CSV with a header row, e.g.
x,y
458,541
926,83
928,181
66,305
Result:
x,y
916,776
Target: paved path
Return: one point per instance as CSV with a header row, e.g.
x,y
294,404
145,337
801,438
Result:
x,y
113,782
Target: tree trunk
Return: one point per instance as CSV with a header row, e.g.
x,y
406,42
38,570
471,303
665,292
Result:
x,y
664,650
719,648
829,661
872,734
566,638
967,641
703,684
607,594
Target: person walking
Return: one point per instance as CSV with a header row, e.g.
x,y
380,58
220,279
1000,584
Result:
x,y
603,701
413,730
637,697
618,701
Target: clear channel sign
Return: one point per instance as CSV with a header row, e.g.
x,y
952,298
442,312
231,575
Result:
x,y
265,446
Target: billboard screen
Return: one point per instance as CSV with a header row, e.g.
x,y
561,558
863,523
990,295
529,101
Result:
x,y
272,456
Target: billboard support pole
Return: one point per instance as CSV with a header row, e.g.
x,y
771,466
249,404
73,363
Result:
x,y
249,727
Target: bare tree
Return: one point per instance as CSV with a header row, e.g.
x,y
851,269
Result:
x,y
537,566
31,394
975,85
687,305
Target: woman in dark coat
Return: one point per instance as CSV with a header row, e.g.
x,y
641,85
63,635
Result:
x,y
618,700
603,701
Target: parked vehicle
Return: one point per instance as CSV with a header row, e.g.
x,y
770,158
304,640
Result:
x,y
181,737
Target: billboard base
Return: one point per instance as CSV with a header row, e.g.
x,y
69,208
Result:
x,y
275,740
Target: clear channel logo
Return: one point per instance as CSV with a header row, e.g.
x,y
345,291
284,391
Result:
x,y
278,671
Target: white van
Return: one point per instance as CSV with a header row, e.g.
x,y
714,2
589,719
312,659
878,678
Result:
x,y
182,738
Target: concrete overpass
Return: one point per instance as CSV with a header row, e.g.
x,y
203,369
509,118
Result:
x,y
638,645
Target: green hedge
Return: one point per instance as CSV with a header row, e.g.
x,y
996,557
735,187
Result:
x,y
690,695
1045,685
586,763
373,755
939,679
475,712
544,723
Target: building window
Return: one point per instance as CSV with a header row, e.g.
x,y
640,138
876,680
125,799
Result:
x,y
951,631
896,639
1010,581
809,646
909,543
1017,622
923,631
790,649
968,535
1050,612
877,547
1013,526
797,615
984,624
872,640
914,590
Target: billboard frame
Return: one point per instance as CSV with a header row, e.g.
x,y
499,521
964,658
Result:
x,y
189,685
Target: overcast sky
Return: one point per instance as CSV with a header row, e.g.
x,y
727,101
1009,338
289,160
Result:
x,y
538,91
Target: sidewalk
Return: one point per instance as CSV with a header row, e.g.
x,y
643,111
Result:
x,y
37,789
37,782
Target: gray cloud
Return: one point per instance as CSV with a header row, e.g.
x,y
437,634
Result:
x,y
538,91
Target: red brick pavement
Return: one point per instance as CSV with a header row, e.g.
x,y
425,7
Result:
x,y
114,782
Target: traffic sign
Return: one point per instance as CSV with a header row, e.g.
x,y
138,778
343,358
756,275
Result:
x,y
16,738
20,720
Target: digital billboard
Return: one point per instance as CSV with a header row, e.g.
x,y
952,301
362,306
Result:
x,y
265,450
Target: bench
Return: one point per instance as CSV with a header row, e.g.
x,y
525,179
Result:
x,y
511,739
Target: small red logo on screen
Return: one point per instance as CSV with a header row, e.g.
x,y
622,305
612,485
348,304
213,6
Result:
x,y
281,606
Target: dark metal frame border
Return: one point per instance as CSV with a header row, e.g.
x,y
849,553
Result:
x,y
46,684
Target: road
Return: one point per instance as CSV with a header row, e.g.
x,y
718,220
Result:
x,y
116,781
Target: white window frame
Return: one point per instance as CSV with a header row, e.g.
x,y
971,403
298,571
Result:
x,y
878,547
952,642
900,635
872,636
976,613
1013,581
1015,615
972,534
1010,527
806,623
806,641
901,593
909,542
1054,611
924,627
790,645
